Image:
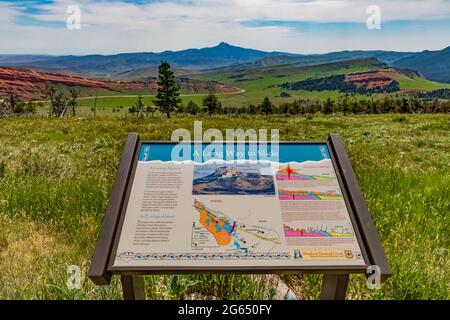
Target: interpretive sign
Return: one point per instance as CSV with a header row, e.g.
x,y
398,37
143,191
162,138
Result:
x,y
230,213
231,208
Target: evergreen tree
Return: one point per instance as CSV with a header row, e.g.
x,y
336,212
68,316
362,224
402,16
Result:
x,y
345,106
211,104
404,106
150,109
303,110
192,108
356,107
328,107
446,108
387,106
167,98
252,109
284,108
417,105
132,109
181,109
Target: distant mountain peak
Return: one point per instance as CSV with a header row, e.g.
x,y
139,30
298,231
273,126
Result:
x,y
225,172
224,44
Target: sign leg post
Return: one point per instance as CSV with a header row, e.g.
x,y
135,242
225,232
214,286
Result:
x,y
334,286
133,287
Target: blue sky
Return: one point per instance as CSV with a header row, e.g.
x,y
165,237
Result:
x,y
300,26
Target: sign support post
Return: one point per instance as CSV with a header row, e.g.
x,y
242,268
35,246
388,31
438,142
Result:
x,y
133,287
334,286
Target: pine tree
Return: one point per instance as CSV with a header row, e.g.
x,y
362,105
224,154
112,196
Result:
x,y
266,106
192,108
356,107
211,104
329,107
387,106
345,106
167,98
404,106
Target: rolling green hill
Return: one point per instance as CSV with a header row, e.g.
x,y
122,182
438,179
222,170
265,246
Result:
x,y
266,81
257,83
434,65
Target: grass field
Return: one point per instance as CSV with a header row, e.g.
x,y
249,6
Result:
x,y
420,84
256,84
56,176
261,82
121,103
265,81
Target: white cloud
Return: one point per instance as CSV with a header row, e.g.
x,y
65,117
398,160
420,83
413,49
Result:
x,y
118,27
238,10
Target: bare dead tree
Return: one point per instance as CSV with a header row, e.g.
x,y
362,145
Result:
x,y
4,108
61,102
49,92
12,99
74,93
95,104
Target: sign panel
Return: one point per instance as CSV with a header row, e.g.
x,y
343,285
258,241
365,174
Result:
x,y
229,207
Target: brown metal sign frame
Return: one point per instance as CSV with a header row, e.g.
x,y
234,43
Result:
x,y
335,279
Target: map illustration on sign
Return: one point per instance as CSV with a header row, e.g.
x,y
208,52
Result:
x,y
225,212
240,236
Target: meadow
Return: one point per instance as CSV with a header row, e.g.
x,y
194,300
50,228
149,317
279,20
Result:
x,y
265,81
255,83
118,105
56,176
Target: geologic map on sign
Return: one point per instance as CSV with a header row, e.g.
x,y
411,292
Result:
x,y
237,236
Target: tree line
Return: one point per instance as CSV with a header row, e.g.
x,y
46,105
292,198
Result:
x,y
436,94
339,83
168,101
346,105
349,104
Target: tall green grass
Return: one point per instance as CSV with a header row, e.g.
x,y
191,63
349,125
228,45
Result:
x,y
56,176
